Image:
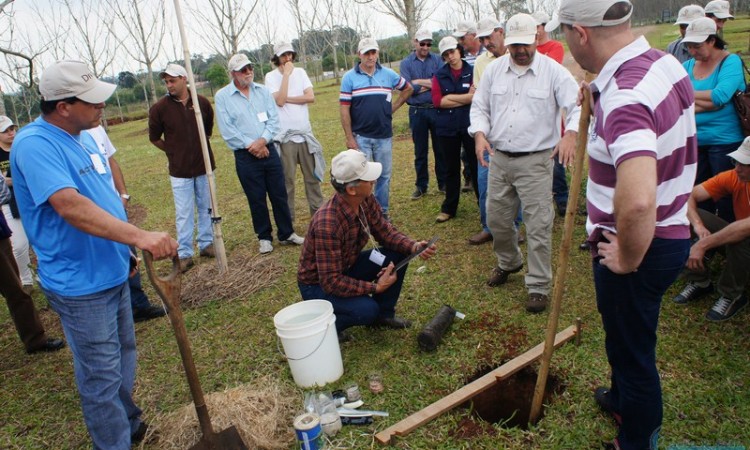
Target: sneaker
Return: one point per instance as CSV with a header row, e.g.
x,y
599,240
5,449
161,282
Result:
x,y
604,401
293,239
208,251
151,312
186,264
536,302
691,292
725,308
265,246
417,194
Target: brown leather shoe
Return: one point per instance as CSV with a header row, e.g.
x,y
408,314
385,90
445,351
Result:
x,y
209,251
186,264
536,302
500,276
443,217
480,238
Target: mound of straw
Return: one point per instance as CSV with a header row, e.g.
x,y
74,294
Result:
x,y
262,413
245,275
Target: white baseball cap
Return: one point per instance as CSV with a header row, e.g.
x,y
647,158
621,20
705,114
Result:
x,y
5,123
447,43
65,79
367,44
719,8
742,154
699,30
486,26
520,29
588,13
174,70
465,28
282,47
688,14
541,17
352,165
423,35
238,61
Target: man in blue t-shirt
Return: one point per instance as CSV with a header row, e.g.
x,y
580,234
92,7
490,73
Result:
x,y
76,223
367,109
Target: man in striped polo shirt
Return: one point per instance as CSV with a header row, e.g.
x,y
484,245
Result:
x,y
642,163
367,107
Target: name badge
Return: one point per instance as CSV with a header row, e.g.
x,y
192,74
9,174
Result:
x,y
466,85
262,117
98,164
388,97
377,257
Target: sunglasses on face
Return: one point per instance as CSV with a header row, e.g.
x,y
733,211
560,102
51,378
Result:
x,y
425,44
246,69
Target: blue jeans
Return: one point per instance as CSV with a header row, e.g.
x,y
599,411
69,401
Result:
x,y
422,125
712,160
99,331
188,194
559,186
260,177
629,305
363,309
379,150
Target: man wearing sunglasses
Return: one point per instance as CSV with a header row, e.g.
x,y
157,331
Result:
x,y
686,15
248,121
418,69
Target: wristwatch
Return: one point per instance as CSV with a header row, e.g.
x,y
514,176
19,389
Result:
x,y
125,197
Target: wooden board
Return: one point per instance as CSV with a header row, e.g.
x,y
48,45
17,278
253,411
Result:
x,y
458,397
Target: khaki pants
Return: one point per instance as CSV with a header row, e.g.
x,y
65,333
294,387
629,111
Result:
x,y
292,154
526,180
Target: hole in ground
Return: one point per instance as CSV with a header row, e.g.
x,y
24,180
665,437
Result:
x,y
508,402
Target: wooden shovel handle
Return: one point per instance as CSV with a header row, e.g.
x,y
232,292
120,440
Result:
x,y
168,288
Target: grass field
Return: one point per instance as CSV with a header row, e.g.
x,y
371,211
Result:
x,y
705,367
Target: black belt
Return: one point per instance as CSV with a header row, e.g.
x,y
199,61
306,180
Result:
x,y
425,106
519,154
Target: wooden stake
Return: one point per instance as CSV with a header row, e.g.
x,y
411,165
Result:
x,y
445,404
562,262
221,255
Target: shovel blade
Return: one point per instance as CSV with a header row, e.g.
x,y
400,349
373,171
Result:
x,y
228,439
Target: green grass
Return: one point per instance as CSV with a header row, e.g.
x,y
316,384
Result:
x,y
704,367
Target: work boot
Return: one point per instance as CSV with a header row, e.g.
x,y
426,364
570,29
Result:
x,y
397,323
148,313
500,276
208,251
186,264
536,302
602,397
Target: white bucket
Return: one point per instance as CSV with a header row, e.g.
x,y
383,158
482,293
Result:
x,y
308,334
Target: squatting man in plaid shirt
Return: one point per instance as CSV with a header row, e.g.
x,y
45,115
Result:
x,y
362,285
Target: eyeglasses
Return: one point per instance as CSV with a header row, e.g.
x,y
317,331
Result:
x,y
425,44
247,69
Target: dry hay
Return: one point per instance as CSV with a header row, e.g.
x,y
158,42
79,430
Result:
x,y
263,415
245,274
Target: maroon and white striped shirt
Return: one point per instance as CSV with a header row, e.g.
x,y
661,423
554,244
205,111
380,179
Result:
x,y
643,106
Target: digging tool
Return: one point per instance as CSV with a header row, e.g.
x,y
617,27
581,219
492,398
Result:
x,y
169,290
562,261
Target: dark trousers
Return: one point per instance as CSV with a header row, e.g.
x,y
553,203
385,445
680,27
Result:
x,y
559,186
422,125
451,148
712,160
364,309
629,305
261,177
20,304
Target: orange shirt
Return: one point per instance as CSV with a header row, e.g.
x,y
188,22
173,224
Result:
x,y
727,183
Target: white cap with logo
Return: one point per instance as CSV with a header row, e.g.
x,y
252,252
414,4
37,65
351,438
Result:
x,y
352,165
367,44
486,26
742,154
65,79
688,14
5,123
520,29
588,13
238,62
174,70
423,35
282,47
699,30
447,43
541,17
465,28
719,8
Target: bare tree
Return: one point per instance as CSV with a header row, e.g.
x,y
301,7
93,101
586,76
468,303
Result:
x,y
411,13
19,61
94,38
305,19
145,26
224,23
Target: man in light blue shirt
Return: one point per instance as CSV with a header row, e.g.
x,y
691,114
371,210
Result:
x,y
248,120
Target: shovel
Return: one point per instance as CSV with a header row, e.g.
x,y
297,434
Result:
x,y
169,290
